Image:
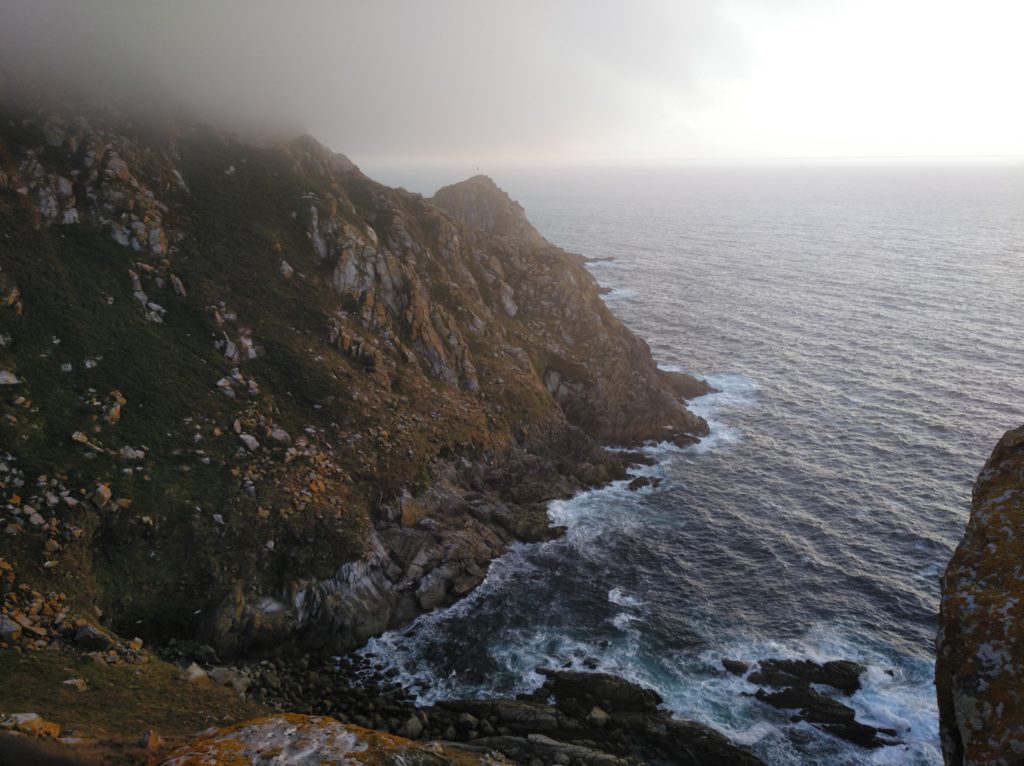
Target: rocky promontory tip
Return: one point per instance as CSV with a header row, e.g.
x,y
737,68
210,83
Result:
x,y
479,203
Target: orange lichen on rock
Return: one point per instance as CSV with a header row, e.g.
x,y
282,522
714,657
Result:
x,y
980,646
299,740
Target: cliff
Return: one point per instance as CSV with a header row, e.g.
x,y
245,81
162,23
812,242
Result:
x,y
251,396
980,646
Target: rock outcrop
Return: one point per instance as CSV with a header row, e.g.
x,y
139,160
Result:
x,y
298,740
574,718
800,685
255,398
593,366
979,672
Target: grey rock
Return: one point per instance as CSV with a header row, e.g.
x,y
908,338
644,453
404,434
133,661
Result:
x,y
9,629
412,728
93,639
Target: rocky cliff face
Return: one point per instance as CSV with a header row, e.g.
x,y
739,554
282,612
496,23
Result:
x,y
250,395
980,647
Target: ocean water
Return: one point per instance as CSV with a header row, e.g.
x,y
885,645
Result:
x,y
863,327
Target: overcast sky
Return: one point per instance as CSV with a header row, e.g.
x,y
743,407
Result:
x,y
417,81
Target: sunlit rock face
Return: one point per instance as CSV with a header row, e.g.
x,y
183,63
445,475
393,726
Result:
x,y
980,647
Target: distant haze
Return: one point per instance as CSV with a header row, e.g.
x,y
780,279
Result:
x,y
475,82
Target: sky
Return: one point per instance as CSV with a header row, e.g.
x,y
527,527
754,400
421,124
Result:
x,y
556,81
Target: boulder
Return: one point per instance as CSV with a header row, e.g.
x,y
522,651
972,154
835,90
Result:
x,y
78,684
10,631
194,674
411,729
34,725
618,694
93,639
101,495
736,667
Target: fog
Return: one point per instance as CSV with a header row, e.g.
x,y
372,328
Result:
x,y
402,82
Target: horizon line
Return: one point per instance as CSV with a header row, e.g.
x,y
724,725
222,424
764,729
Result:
x,y
691,160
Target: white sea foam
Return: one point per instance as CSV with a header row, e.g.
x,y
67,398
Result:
x,y
619,597
618,294
623,620
900,697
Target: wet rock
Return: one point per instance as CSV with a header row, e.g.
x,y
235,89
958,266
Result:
x,y
829,714
572,688
684,440
839,674
813,705
736,667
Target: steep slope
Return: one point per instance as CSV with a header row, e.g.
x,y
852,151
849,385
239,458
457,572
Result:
x,y
598,371
249,395
980,664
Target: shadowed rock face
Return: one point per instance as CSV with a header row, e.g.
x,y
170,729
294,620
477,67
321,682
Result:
x,y
979,672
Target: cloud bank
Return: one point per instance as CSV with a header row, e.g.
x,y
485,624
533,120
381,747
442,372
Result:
x,y
574,80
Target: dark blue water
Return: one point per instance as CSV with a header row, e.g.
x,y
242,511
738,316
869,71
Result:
x,y
863,326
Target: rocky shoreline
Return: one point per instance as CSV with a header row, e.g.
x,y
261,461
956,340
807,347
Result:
x,y
572,718
600,713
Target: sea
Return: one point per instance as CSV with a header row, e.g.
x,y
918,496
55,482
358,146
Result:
x,y
863,327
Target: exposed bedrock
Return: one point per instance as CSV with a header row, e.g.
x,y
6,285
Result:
x,y
979,671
